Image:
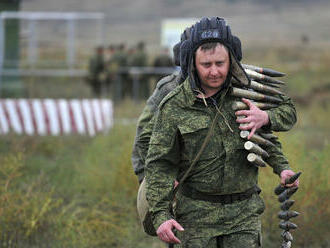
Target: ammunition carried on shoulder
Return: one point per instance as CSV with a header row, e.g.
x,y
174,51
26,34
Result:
x,y
286,215
279,189
287,236
256,160
287,193
277,86
265,71
287,225
242,124
256,138
262,77
293,178
254,148
286,205
286,244
237,105
260,87
268,136
254,95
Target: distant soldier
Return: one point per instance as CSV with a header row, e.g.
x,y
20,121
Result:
x,y
140,59
109,67
145,123
163,60
118,62
96,71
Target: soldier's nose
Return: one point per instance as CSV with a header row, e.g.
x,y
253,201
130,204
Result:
x,y
213,71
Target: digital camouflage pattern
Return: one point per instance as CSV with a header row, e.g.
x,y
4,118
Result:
x,y
141,143
281,118
240,239
180,127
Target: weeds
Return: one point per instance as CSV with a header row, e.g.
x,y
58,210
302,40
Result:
x,y
78,191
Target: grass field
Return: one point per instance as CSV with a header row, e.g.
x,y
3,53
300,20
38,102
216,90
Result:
x,y
79,191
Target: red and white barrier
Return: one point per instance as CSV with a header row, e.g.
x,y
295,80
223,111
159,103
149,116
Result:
x,y
55,117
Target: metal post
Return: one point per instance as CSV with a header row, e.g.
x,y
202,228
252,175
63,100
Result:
x,y
2,45
32,50
70,49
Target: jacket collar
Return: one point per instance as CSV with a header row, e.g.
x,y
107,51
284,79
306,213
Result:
x,y
190,96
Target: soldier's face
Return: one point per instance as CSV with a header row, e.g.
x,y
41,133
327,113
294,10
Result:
x,y
212,68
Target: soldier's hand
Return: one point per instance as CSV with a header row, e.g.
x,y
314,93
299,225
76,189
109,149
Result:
x,y
166,234
254,117
287,174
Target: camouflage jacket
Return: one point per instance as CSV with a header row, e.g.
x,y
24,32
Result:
x,y
281,118
145,125
180,127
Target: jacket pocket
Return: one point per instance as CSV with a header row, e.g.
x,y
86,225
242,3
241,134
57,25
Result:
x,y
192,136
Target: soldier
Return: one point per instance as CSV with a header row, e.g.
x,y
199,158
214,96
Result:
x,y
281,118
139,59
110,67
145,125
96,70
218,205
119,61
163,60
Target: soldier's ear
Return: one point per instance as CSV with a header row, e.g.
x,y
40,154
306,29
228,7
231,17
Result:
x,y
186,51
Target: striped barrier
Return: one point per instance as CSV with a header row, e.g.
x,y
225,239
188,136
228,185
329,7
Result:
x,y
55,117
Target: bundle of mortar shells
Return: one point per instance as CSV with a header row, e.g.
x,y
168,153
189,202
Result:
x,y
263,92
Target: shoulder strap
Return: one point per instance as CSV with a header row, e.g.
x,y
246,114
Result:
x,y
206,140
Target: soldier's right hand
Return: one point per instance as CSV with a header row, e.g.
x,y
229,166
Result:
x,y
166,234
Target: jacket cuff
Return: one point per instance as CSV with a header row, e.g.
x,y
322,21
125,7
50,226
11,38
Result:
x,y
160,218
278,169
272,120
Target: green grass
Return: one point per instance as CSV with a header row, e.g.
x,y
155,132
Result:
x,y
70,191
80,192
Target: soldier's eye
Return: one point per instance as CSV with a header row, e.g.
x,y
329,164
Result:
x,y
206,64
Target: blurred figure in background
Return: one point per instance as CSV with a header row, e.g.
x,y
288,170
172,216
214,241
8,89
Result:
x,y
119,61
110,68
145,123
139,58
96,71
163,60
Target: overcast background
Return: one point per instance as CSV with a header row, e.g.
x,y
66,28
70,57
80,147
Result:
x,y
255,21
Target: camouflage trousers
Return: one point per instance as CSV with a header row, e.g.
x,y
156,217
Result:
x,y
243,239
214,225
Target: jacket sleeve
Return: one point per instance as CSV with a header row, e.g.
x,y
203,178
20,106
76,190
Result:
x,y
283,117
276,159
145,124
141,142
162,166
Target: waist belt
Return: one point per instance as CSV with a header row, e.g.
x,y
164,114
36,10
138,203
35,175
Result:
x,y
224,199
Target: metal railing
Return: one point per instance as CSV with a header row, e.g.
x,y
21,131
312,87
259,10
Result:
x,y
135,74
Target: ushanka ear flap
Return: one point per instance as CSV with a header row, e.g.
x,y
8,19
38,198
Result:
x,y
237,47
176,54
185,57
238,71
